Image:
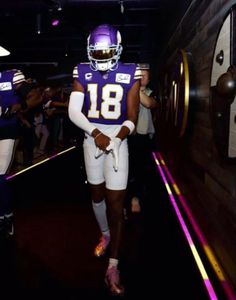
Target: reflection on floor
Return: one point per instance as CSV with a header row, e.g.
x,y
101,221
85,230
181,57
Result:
x,y
19,164
56,233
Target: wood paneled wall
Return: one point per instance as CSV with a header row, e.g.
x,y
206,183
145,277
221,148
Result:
x,y
207,180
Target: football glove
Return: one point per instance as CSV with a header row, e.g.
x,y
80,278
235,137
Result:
x,y
114,147
98,153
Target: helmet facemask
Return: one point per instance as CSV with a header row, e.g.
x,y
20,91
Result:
x,y
104,48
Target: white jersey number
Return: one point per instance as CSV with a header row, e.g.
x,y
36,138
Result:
x,y
112,95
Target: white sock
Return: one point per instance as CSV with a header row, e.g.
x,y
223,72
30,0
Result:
x,y
113,262
101,216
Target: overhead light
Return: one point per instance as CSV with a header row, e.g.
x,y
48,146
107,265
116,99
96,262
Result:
x,y
56,14
122,8
55,22
4,52
55,5
38,24
59,7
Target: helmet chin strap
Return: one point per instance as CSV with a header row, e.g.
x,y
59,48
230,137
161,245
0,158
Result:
x,y
105,66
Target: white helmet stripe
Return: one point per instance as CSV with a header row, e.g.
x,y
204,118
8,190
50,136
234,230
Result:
x,y
18,77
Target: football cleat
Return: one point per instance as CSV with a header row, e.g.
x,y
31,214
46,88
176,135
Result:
x,y
101,247
112,281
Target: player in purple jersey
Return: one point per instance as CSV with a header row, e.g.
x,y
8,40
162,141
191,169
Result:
x,y
104,103
16,95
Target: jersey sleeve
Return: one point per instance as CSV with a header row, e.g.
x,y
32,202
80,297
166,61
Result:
x,y
18,77
75,73
137,73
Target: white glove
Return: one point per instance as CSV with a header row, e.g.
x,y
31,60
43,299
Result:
x,y
98,153
114,147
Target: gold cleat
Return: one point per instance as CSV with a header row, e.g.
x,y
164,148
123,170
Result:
x,y
101,247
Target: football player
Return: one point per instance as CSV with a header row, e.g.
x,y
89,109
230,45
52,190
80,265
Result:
x,y
16,95
104,103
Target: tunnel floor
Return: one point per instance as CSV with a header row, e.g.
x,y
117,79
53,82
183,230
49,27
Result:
x,y
55,234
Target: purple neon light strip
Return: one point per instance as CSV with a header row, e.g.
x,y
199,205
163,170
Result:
x,y
219,273
172,181
206,280
38,163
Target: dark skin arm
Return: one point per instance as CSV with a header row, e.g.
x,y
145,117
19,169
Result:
x,y
102,141
33,99
132,109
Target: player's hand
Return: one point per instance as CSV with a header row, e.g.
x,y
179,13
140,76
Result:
x,y
114,147
102,141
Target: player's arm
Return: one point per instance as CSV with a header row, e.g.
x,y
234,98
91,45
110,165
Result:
x,y
78,118
29,97
33,97
128,125
147,101
75,108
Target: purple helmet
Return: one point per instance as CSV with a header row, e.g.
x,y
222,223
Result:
x,y
104,48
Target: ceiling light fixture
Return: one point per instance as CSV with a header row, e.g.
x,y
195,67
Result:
x,y
38,24
122,8
55,22
4,52
59,7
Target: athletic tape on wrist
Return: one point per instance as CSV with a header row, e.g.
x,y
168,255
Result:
x,y
130,125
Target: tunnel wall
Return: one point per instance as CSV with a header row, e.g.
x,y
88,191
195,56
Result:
x,y
205,177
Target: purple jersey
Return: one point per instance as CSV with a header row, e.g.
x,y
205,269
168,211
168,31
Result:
x,y
106,92
8,81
